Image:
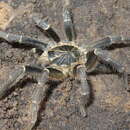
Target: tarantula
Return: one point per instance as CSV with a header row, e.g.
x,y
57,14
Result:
x,y
62,59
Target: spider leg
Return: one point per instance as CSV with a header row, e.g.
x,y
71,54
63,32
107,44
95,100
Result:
x,y
11,38
37,98
13,78
110,40
85,89
106,59
68,24
44,26
38,95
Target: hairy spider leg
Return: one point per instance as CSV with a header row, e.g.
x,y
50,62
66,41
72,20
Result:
x,y
11,38
110,40
48,30
106,59
85,89
37,98
68,24
15,76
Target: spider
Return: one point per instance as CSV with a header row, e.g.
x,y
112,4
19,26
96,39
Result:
x,y
63,59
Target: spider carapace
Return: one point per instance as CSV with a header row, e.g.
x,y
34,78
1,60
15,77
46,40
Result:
x,y
63,59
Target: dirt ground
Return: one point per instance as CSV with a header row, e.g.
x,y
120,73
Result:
x,y
94,19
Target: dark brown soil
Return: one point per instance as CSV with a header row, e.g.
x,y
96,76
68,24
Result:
x,y
110,106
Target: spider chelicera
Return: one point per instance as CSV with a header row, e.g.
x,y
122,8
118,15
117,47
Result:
x,y
62,59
